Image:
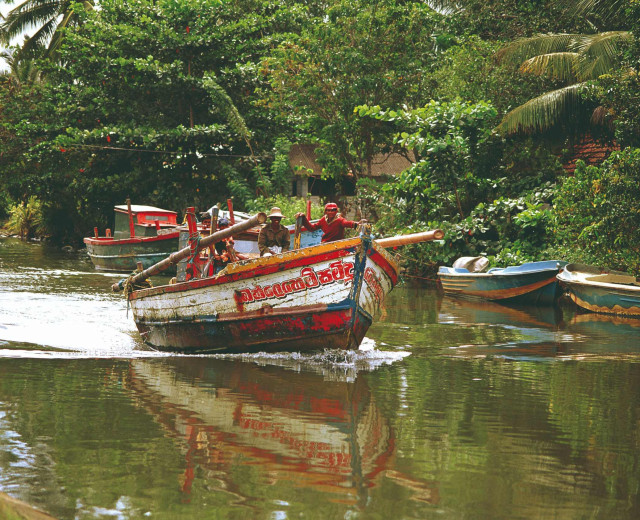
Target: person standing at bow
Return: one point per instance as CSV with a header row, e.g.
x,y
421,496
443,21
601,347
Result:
x,y
332,223
274,234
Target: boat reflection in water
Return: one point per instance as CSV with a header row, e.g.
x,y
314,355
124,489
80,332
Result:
x,y
603,334
520,331
539,332
296,429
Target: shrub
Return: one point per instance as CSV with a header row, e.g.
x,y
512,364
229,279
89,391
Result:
x,y
26,219
597,213
288,205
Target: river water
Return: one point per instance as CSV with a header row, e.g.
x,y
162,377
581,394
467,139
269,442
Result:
x,y
451,409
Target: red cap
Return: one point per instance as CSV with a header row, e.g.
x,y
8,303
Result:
x,y
330,205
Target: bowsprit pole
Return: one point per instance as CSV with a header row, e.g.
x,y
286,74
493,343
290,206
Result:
x,y
403,240
204,242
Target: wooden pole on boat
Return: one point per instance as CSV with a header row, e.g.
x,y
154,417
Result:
x,y
132,228
296,237
308,210
214,220
232,218
204,242
414,238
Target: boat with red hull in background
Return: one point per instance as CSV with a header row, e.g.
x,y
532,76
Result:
x,y
143,234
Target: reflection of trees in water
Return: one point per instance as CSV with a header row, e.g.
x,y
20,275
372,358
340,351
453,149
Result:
x,y
564,435
410,303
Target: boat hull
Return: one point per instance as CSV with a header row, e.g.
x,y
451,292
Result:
x,y
534,283
123,255
600,291
319,297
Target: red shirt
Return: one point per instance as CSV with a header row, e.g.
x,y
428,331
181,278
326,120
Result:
x,y
333,230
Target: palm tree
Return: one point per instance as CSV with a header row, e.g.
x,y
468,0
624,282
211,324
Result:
x,y
21,71
42,15
571,58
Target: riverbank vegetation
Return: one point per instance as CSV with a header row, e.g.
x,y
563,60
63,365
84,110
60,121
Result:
x,y
186,103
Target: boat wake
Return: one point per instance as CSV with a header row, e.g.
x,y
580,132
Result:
x,y
332,364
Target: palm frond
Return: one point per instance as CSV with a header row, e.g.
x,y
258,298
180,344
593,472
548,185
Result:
x,y
542,113
225,106
445,7
38,40
606,8
28,15
558,65
525,48
600,53
56,39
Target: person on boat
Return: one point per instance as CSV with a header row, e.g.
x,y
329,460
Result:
x,y
273,234
332,223
222,252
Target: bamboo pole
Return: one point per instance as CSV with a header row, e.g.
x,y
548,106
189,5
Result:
x,y
132,229
296,239
174,258
414,238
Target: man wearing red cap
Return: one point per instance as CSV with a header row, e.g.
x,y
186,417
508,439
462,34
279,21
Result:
x,y
332,223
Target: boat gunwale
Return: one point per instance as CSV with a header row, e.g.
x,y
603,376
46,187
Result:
x,y
498,274
579,278
110,241
246,269
604,285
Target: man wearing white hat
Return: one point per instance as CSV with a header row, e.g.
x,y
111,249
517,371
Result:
x,y
274,234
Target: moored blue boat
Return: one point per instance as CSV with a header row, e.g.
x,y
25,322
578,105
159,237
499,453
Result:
x,y
602,291
533,283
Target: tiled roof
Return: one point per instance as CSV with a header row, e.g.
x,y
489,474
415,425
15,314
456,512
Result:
x,y
302,159
590,151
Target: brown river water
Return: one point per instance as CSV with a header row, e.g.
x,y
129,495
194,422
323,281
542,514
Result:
x,y
451,409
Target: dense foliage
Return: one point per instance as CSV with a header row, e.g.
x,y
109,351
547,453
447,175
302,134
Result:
x,y
597,212
177,103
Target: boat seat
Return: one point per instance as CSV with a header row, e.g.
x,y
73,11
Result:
x,y
473,264
614,278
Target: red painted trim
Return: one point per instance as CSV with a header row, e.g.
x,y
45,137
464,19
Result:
x,y
385,265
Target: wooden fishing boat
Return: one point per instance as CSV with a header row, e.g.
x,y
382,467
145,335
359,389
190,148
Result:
x,y
533,283
323,296
602,291
141,234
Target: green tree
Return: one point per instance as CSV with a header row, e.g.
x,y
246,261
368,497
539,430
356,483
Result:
x,y
503,20
358,53
155,115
